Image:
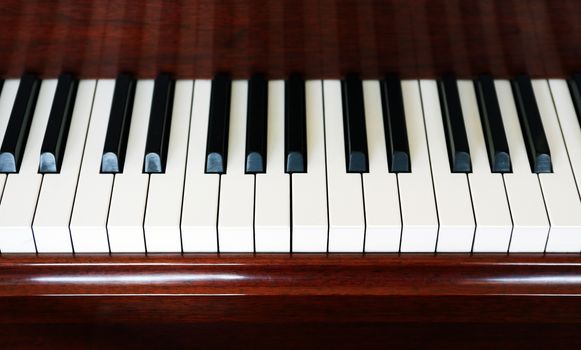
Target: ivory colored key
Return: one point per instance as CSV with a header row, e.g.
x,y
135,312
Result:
x,y
309,190
418,206
7,98
201,189
382,212
570,125
561,199
89,219
451,188
128,200
57,194
527,207
236,208
21,190
346,208
272,201
164,200
493,221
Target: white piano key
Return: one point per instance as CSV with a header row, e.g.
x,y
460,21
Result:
x,y
89,219
527,207
7,98
418,205
21,189
236,207
382,213
309,190
57,194
201,190
164,200
346,208
569,125
451,189
272,202
493,221
559,190
127,209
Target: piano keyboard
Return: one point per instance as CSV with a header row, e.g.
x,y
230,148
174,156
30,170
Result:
x,y
120,166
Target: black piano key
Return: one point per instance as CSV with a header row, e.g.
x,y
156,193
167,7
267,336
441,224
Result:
x,y
531,125
1,84
354,125
454,128
218,125
59,122
492,126
12,149
295,130
158,132
115,147
256,124
575,88
396,138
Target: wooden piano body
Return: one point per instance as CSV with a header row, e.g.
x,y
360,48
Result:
x,y
290,301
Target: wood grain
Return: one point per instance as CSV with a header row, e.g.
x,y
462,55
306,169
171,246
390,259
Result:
x,y
283,301
291,275
319,38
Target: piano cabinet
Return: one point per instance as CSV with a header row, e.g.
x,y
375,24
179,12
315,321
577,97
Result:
x,y
289,301
319,38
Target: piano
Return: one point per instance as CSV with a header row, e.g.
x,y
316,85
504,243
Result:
x,y
283,174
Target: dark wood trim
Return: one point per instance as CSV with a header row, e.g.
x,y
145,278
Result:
x,y
292,275
305,301
319,38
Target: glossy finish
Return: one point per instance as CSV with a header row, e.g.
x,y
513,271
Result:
x,y
218,125
115,146
295,128
158,132
454,128
284,275
531,124
320,39
492,126
16,136
298,300
59,122
396,135
256,124
355,139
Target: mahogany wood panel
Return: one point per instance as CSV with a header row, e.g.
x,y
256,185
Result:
x,y
291,336
319,38
292,275
289,302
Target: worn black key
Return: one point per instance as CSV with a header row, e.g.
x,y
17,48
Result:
x,y
256,124
295,127
59,122
218,125
115,147
354,125
1,84
575,88
454,128
158,132
531,125
492,126
12,148
396,138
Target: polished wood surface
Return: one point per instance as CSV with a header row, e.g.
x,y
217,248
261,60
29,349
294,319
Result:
x,y
287,302
319,38
304,275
